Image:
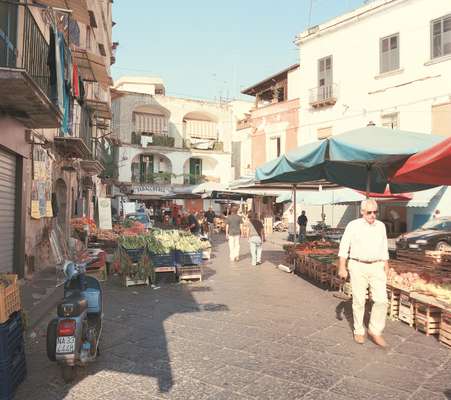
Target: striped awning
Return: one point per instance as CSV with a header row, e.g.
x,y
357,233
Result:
x,y
79,8
91,67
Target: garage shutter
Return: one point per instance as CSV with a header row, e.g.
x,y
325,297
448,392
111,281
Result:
x,y
7,210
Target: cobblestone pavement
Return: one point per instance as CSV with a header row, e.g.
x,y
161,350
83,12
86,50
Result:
x,y
243,333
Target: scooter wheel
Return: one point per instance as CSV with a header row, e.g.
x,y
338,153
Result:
x,y
51,339
68,373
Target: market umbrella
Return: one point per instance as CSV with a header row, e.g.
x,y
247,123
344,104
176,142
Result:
x,y
431,166
362,159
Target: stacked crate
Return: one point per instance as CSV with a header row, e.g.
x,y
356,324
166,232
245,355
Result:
x,y
12,356
393,296
427,318
445,328
189,265
406,308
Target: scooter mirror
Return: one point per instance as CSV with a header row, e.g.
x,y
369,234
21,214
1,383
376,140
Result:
x,y
69,269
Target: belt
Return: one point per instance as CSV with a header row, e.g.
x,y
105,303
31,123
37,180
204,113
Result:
x,y
366,261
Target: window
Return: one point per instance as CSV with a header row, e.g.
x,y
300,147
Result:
x,y
325,78
275,147
324,133
441,37
88,37
441,119
390,121
389,53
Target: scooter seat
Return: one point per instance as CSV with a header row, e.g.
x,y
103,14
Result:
x,y
72,306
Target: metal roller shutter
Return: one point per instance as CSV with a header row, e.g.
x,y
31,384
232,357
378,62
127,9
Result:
x,y
7,210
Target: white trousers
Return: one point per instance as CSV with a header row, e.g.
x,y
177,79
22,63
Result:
x,y
372,275
255,244
234,246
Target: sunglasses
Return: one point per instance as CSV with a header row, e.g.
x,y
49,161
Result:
x,y
371,212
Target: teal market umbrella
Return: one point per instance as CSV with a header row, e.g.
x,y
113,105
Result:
x,y
362,159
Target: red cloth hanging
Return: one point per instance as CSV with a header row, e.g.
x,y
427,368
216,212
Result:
x,y
75,81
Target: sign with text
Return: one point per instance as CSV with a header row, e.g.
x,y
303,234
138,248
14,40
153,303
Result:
x,y
104,209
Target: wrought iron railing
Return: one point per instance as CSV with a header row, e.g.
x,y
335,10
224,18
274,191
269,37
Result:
x,y
323,93
32,56
81,127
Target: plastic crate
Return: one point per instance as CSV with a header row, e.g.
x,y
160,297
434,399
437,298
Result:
x,y
162,260
191,258
12,374
135,254
11,337
9,297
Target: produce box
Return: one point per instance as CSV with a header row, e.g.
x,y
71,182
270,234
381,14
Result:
x,y
9,296
406,308
188,258
135,254
162,260
445,328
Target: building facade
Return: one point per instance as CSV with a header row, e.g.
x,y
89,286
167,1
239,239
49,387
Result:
x,y
53,102
388,62
168,144
274,119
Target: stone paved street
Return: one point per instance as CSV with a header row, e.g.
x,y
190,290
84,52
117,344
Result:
x,y
243,333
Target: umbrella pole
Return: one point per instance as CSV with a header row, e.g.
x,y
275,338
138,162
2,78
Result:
x,y
294,213
368,181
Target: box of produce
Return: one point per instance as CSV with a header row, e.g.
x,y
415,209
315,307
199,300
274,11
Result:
x,y
188,258
162,260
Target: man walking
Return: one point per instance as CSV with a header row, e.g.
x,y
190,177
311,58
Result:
x,y
365,244
193,225
302,222
256,238
210,216
233,232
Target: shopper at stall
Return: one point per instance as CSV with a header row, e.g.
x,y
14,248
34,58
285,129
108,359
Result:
x,y
365,244
233,232
193,225
256,238
210,216
302,222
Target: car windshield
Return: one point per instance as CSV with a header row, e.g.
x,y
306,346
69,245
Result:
x,y
142,218
444,225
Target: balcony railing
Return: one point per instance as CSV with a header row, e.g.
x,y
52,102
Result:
x,y
145,140
32,56
203,145
82,127
193,179
324,95
157,177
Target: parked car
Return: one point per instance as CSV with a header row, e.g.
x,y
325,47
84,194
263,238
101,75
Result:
x,y
434,235
141,217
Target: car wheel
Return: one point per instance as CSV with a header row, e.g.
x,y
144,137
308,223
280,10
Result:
x,y
441,246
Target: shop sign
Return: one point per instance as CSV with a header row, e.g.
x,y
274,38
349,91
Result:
x,y
158,190
104,209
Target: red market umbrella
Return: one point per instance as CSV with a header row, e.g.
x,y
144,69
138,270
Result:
x,y
387,195
431,166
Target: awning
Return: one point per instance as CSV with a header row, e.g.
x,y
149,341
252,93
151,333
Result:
x,y
91,66
101,109
79,8
431,166
423,198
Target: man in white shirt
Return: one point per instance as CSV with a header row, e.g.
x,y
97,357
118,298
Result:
x,y
364,242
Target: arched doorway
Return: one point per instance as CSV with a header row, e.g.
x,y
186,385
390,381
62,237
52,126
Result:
x,y
61,198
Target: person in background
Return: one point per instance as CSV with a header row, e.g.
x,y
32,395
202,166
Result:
x,y
233,232
193,225
210,216
302,222
256,238
365,243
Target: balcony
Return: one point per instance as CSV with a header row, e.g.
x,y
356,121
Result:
x,y
146,139
193,179
78,144
206,144
324,96
24,73
98,100
157,177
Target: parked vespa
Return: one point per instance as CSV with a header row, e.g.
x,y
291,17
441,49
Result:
x,y
73,337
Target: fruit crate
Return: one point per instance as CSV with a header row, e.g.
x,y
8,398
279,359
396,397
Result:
x,y
11,337
393,302
162,260
406,308
188,258
9,297
135,254
427,318
12,374
445,328
189,273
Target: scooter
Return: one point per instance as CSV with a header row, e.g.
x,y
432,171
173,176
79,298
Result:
x,y
73,337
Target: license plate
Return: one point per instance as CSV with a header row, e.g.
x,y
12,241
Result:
x,y
413,246
65,344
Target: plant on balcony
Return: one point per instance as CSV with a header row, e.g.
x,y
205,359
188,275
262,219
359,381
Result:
x,y
136,138
193,179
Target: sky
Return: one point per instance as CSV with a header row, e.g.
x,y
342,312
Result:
x,y
211,49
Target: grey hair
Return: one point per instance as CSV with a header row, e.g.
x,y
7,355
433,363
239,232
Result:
x,y
367,202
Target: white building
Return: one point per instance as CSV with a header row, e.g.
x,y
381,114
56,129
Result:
x,y
168,143
388,62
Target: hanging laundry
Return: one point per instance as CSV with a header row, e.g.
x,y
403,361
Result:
x,y
76,81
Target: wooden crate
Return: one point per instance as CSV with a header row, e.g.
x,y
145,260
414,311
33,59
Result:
x,y
427,318
406,308
445,328
9,297
128,281
393,302
192,273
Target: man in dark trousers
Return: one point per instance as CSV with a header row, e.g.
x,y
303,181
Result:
x,y
210,216
302,222
193,225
